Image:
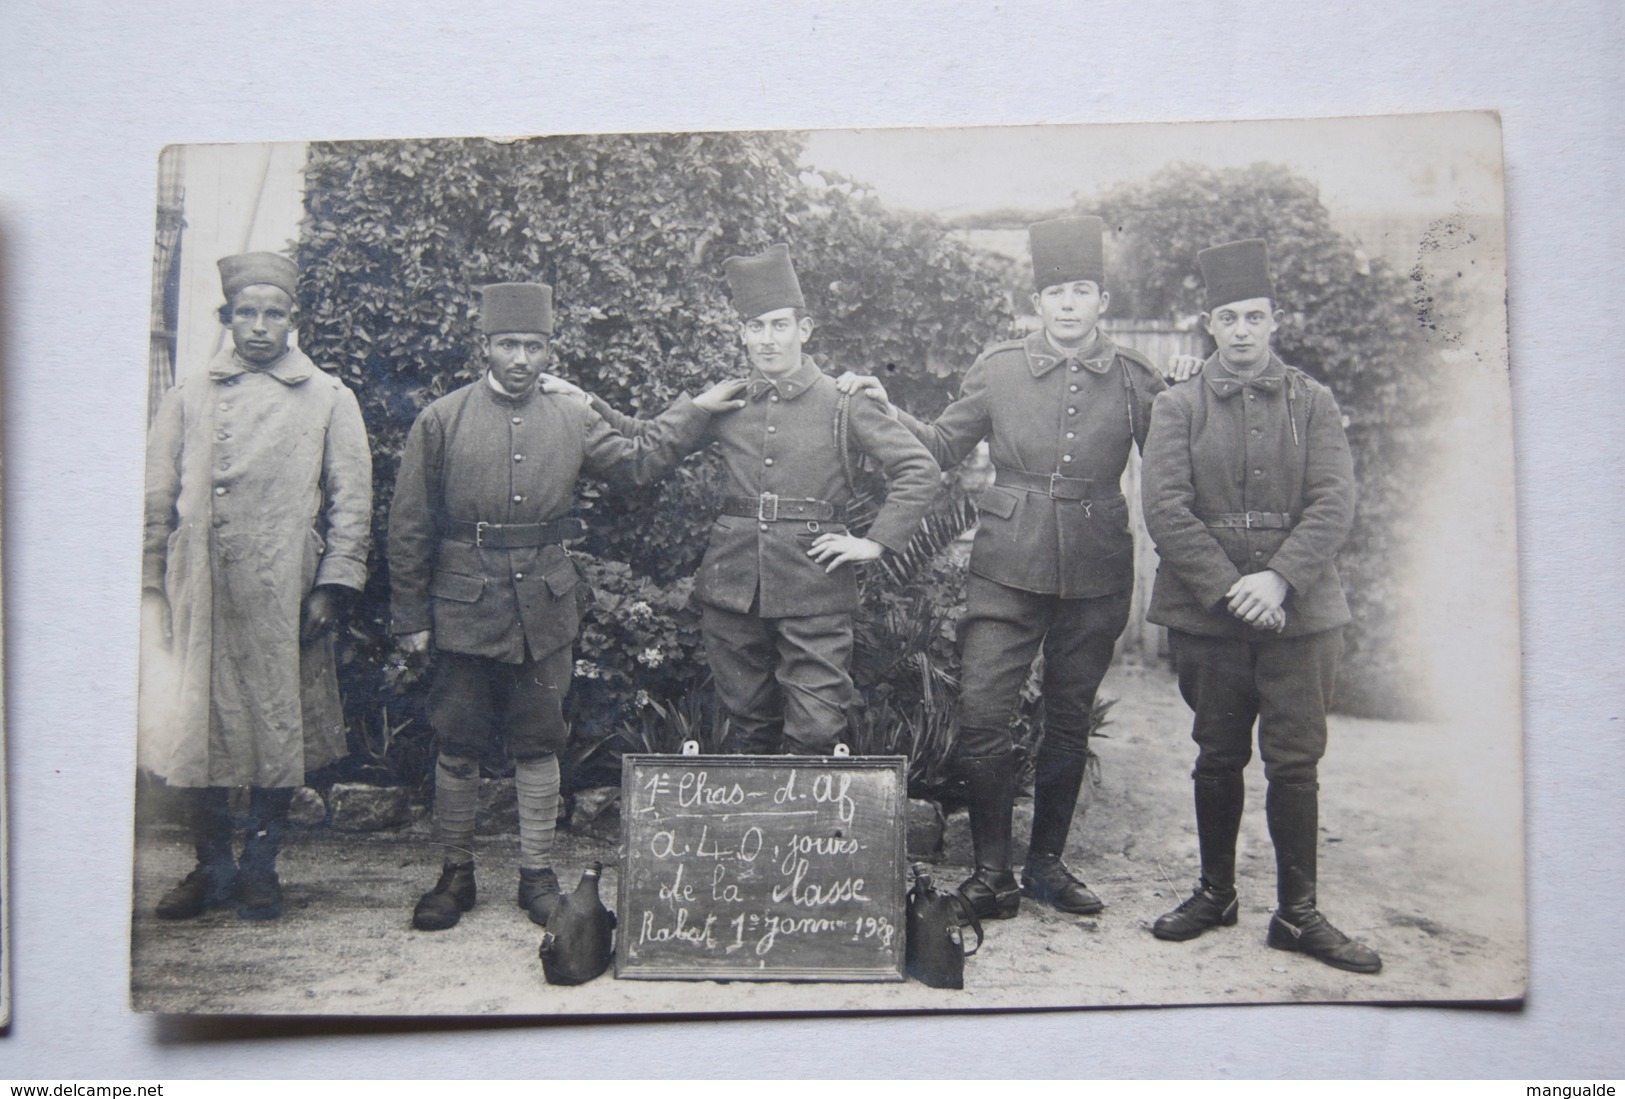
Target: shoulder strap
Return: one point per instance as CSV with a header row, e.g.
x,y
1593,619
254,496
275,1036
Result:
x,y
843,441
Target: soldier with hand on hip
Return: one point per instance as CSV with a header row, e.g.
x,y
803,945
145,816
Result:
x,y
777,586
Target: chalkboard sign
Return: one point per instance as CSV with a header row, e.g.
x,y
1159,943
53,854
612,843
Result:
x,y
768,868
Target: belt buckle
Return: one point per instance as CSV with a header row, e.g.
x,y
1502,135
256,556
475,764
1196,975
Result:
x,y
479,534
1053,478
1247,517
762,507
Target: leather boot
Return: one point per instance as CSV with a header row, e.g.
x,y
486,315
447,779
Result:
x,y
1057,777
539,894
1219,801
441,907
991,891
1293,812
258,890
209,885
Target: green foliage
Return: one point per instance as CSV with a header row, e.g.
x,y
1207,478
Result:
x,y
1351,323
631,231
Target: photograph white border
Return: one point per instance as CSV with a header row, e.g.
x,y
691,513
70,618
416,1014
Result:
x,y
92,94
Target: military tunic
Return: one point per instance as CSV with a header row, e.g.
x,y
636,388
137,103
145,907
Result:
x,y
778,627
478,455
259,488
1050,567
1242,475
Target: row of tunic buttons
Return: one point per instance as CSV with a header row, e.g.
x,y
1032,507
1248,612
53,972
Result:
x,y
1257,472
518,499
222,435
773,398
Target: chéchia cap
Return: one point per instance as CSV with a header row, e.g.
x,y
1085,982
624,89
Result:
x,y
1236,271
516,307
763,283
1067,250
258,269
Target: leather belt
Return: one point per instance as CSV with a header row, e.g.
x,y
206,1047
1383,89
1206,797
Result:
x,y
512,535
770,508
1050,484
1251,520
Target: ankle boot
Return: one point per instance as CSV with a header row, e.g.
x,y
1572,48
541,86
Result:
x,y
209,885
539,894
1293,812
1057,777
1219,801
441,907
258,891
991,891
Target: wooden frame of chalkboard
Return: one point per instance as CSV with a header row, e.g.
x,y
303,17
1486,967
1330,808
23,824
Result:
x,y
762,868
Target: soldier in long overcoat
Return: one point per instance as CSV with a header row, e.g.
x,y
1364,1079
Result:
x,y
777,587
1249,493
1052,567
258,512
479,568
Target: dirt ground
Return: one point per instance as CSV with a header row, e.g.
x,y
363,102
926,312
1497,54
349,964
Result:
x,y
1420,857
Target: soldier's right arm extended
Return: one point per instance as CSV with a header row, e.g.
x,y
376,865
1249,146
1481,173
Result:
x,y
648,450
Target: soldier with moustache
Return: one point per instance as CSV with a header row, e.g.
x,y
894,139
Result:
x,y
1248,489
1052,566
480,570
777,586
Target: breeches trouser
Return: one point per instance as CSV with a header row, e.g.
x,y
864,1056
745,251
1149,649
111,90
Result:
x,y
781,678
477,703
1283,684
1000,634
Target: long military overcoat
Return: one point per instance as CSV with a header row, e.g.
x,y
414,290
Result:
x,y
259,487
1222,448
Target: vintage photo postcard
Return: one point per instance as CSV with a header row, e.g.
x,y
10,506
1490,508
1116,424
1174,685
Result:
x,y
736,572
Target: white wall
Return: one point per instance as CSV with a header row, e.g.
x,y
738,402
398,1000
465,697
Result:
x,y
238,198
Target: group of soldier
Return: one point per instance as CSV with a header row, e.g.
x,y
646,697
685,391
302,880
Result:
x,y
258,510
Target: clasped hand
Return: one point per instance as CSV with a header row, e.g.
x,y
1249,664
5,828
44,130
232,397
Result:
x,y
1257,600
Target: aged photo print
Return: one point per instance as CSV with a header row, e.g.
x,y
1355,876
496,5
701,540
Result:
x,y
1079,561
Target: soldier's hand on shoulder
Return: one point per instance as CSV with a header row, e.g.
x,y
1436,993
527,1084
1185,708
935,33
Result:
x,y
1183,367
862,383
834,550
725,396
552,383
